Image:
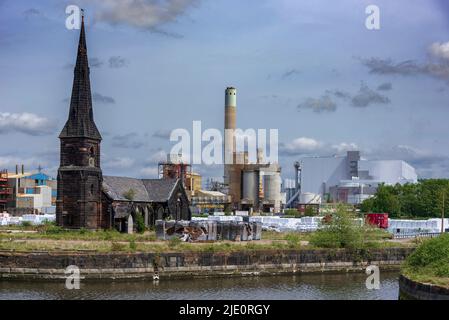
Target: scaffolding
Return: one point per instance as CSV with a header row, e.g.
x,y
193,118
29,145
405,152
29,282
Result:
x,y
5,190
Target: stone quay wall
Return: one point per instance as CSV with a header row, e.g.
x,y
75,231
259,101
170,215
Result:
x,y
413,290
51,265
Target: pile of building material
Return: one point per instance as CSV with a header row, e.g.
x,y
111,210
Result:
x,y
35,219
208,230
416,227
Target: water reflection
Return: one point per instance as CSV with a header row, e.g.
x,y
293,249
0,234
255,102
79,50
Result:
x,y
298,287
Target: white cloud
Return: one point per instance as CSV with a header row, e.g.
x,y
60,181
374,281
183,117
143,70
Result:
x,y
304,145
144,14
343,147
440,50
27,123
119,163
150,172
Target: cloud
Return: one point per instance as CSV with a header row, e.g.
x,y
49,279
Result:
x,y
387,86
319,105
150,172
117,62
366,97
310,146
159,156
127,141
119,163
32,12
428,164
99,98
290,73
27,123
438,70
339,94
93,63
142,14
440,50
162,134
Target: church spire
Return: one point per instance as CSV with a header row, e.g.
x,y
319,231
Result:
x,y
81,120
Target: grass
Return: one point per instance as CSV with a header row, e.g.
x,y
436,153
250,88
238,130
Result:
x,y
51,238
429,263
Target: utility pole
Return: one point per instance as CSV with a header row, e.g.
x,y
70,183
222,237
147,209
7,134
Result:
x,y
442,214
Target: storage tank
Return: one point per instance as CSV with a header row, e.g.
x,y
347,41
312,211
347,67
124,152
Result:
x,y
309,198
250,186
272,186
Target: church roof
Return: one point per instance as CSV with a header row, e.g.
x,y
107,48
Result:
x,y
138,190
81,120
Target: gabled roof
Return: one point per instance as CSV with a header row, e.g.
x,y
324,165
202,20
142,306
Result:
x,y
147,190
159,190
117,187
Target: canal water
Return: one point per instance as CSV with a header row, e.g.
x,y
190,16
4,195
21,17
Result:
x,y
299,287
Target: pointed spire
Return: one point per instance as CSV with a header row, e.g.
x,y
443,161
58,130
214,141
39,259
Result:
x,y
81,120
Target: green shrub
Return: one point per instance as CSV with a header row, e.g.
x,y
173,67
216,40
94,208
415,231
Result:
x,y
341,232
26,224
430,259
115,246
140,223
293,240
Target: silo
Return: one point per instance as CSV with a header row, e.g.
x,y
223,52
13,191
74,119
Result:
x,y
250,186
272,186
272,189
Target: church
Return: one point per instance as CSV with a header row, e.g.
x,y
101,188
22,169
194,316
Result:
x,y
86,198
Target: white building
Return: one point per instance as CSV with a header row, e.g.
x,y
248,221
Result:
x,y
350,179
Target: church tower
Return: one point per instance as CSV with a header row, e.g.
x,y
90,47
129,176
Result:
x,y
79,175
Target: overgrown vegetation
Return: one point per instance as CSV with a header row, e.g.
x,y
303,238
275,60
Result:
x,y
130,194
429,263
343,231
421,200
140,224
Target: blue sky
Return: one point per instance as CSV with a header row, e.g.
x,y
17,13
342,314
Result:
x,y
308,68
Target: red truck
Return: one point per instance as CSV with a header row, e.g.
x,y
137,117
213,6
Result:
x,y
377,219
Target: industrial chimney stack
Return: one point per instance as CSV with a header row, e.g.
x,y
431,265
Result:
x,y
230,123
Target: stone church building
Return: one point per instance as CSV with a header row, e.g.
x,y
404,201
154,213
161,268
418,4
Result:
x,y
86,198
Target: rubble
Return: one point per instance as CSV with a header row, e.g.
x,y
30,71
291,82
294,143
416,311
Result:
x,y
205,230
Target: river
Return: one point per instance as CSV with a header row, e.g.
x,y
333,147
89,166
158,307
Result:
x,y
327,286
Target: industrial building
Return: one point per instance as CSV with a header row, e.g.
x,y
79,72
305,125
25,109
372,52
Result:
x,y
347,179
251,186
27,192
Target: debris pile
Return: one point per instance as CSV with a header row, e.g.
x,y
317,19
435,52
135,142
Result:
x,y
193,231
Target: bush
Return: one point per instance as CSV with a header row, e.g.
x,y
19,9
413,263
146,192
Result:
x,y
115,246
341,232
293,240
430,259
26,224
140,223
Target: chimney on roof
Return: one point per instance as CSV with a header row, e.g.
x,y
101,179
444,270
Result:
x,y
17,169
23,168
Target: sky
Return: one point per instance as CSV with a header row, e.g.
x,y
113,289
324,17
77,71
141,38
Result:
x,y
310,69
